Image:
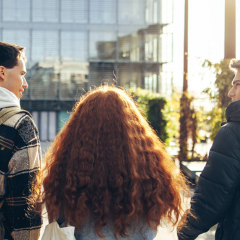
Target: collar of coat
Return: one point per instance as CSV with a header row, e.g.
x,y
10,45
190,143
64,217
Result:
x,y
232,113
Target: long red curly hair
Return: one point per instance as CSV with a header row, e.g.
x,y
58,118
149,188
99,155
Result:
x,y
108,163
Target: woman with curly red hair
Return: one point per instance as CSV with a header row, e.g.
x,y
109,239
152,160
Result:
x,y
107,173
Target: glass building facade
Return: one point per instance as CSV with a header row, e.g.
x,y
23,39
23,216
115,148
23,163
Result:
x,y
73,45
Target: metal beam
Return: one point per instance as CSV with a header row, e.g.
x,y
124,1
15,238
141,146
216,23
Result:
x,y
185,66
230,29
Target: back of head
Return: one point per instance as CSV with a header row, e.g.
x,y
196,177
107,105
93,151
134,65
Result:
x,y
109,164
10,54
234,64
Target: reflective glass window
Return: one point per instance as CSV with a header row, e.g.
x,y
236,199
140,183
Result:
x,y
137,76
124,46
45,11
124,77
152,44
151,77
150,82
43,126
167,11
43,80
74,79
73,46
130,75
167,78
18,37
100,73
62,119
35,116
131,11
152,11
45,45
103,11
166,51
74,11
45,67
135,51
129,47
52,125
16,10
102,45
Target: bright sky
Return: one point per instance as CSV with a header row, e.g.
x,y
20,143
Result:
x,y
206,40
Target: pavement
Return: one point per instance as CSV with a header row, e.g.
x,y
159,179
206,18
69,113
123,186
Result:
x,y
170,233
167,233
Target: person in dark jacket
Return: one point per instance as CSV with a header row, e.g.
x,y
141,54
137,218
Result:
x,y
217,195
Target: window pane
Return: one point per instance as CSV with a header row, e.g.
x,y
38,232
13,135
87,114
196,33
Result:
x,y
166,79
151,82
100,73
73,46
151,47
131,11
18,37
35,118
129,46
124,75
167,43
44,73
43,80
74,11
103,11
45,45
167,11
44,124
52,125
152,11
74,79
124,46
16,10
102,45
63,118
136,41
130,75
136,77
151,77
45,11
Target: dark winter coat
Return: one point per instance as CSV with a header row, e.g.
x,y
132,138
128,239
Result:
x,y
217,195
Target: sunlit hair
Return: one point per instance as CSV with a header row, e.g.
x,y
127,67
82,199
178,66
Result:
x,y
234,64
107,163
10,54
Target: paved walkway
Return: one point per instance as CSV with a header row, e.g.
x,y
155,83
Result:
x,y
168,234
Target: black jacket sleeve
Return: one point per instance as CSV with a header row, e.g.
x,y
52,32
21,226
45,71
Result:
x,y
217,184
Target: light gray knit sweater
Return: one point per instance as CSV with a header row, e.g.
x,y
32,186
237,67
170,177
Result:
x,y
88,233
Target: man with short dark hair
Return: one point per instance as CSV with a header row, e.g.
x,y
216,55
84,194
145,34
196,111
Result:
x,y
20,153
217,194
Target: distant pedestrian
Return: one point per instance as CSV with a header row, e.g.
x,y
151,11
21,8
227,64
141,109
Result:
x,y
108,174
20,155
217,195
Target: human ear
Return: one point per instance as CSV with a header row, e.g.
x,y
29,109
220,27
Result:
x,y
2,73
